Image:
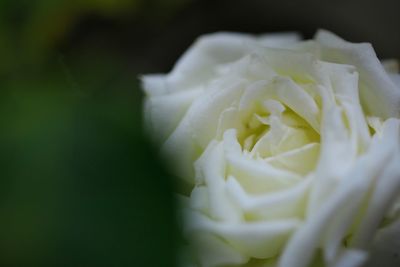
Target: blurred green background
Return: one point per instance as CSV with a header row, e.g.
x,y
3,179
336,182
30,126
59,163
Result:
x,y
79,184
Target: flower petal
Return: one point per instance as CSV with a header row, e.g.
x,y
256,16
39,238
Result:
x,y
380,96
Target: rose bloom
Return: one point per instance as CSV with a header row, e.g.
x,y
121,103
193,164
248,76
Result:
x,y
288,151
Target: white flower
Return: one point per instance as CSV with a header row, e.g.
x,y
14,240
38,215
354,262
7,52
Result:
x,y
290,150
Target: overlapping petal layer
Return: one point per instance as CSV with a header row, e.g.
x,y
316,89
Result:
x,y
291,149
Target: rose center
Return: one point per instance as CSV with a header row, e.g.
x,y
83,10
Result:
x,y
274,133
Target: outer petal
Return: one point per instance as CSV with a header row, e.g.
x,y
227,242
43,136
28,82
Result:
x,y
198,63
164,112
395,78
334,217
386,189
380,96
262,239
154,84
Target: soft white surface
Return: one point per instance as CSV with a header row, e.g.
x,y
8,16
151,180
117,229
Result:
x,y
291,149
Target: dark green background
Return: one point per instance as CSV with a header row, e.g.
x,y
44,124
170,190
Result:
x,y
79,184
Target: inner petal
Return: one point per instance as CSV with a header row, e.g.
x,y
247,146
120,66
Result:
x,y
301,160
281,138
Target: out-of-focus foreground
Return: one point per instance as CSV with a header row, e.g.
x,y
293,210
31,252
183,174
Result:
x,y
79,184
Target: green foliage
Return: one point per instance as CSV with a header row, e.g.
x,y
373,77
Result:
x,y
79,183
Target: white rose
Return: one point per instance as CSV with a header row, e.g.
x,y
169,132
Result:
x,y
290,150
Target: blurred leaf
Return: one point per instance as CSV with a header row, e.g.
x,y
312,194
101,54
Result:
x,y
79,184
